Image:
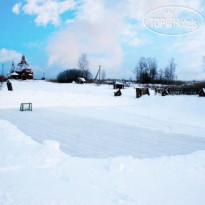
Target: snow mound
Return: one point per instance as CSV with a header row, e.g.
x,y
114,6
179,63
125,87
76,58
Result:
x,y
32,173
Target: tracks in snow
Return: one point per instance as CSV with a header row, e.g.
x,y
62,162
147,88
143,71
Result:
x,y
84,136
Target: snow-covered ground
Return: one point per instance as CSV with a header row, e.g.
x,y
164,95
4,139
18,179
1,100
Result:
x,y
104,149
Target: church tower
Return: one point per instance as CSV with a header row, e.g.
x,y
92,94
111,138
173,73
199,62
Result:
x,y
12,67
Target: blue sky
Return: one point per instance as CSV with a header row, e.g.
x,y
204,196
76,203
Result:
x,y
54,33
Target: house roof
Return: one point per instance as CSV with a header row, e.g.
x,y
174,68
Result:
x,y
119,83
14,73
82,79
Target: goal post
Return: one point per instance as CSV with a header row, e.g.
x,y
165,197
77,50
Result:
x,y
26,107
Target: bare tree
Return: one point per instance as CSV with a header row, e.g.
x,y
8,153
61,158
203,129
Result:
x,y
167,75
170,70
152,67
83,64
161,74
146,70
103,75
172,66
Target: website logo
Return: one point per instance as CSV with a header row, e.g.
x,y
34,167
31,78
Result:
x,y
173,20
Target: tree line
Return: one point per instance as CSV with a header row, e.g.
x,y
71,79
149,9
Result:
x,y
146,71
70,75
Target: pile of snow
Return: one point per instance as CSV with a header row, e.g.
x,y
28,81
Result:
x,y
93,148
32,173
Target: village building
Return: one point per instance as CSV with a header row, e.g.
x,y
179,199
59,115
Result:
x,y
21,71
118,85
2,78
80,80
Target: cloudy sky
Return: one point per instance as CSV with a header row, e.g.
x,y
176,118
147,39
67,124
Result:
x,y
52,34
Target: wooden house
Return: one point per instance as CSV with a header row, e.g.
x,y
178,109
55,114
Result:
x,y
118,85
21,71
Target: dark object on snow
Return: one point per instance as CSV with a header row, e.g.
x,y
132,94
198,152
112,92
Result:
x,y
9,85
202,92
141,91
162,91
165,92
118,93
180,91
158,91
118,85
183,91
26,107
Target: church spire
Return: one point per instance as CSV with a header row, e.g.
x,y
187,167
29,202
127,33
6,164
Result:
x,y
12,67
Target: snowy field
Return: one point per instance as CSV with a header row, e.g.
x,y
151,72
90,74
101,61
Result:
x,y
82,145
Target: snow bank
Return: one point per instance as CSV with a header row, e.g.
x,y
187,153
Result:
x,y
86,119
32,173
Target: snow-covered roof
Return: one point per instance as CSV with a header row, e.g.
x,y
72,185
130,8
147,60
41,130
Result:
x,y
82,79
22,67
14,73
119,83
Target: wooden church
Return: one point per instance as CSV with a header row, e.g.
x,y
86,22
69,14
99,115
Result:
x,y
22,71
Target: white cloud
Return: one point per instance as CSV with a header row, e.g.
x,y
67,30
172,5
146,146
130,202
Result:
x,y
91,10
46,11
137,9
9,55
191,50
16,8
193,43
99,41
97,30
